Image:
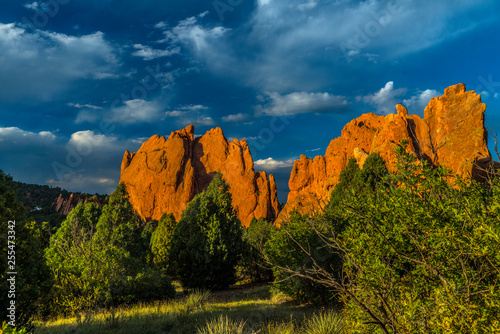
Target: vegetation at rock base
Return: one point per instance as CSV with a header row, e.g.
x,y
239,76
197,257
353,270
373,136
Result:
x,y
414,250
161,239
253,266
39,201
207,242
101,257
419,254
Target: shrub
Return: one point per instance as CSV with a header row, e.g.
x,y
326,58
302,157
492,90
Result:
x,y
419,254
223,325
292,250
22,247
100,257
254,267
328,322
197,298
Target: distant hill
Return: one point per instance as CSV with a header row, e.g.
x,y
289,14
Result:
x,y
51,204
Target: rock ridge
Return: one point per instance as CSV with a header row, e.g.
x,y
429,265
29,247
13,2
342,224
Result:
x,y
165,174
452,134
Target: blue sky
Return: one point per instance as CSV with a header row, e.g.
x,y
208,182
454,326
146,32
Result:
x,y
81,81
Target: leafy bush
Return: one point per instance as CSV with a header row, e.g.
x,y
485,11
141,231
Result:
x,y
207,242
254,267
6,329
422,254
419,250
291,249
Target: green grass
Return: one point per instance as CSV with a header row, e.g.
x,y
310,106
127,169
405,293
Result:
x,y
247,309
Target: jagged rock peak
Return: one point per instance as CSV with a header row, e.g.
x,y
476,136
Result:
x,y
452,134
165,174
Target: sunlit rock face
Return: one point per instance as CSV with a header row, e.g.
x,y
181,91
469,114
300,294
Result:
x,y
165,174
452,134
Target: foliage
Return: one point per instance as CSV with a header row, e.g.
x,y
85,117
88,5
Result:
x,y
419,250
254,267
6,329
27,240
223,325
100,257
197,298
328,322
207,241
423,254
292,250
161,239
356,182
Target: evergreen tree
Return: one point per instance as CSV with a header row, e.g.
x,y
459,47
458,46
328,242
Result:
x,y
161,240
207,242
22,244
102,258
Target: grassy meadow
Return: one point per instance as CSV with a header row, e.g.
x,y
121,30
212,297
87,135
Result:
x,y
242,309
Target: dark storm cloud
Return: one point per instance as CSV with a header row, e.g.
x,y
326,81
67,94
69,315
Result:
x,y
286,75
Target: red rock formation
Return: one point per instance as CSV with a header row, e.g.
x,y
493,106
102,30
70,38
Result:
x,y
451,133
64,206
165,174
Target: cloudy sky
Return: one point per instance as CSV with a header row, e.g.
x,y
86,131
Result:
x,y
81,81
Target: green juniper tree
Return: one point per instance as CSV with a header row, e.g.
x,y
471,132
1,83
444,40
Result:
x,y
101,257
161,240
207,242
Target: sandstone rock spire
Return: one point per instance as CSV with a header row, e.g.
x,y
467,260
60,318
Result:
x,y
165,174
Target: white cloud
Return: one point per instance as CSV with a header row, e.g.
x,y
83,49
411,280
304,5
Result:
x,y
137,111
84,106
15,135
201,121
417,103
39,64
86,161
191,32
385,99
299,39
308,5
130,112
301,102
272,164
175,113
186,110
208,43
148,53
240,117
314,149
161,25
32,6
90,139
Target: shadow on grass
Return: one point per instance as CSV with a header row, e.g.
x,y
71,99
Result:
x,y
250,304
